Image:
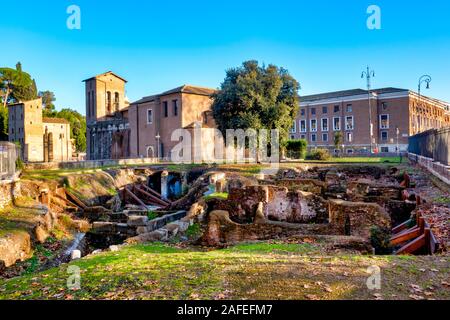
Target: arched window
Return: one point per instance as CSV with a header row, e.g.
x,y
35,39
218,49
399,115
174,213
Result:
x,y
116,101
108,101
150,152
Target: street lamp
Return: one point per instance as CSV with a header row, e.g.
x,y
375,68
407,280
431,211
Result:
x,y
158,138
423,79
369,74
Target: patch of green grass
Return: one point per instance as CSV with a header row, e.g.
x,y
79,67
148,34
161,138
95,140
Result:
x,y
217,195
194,231
151,215
246,271
441,200
360,160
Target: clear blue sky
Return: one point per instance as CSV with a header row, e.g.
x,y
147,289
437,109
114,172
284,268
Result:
x,y
158,45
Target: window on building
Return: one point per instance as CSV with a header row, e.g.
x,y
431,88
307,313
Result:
x,y
325,137
313,125
302,112
313,137
384,105
384,121
325,124
108,101
324,110
294,127
313,111
384,149
337,108
349,123
166,109
349,151
336,124
303,137
302,125
175,107
149,116
384,136
349,108
349,137
116,101
205,117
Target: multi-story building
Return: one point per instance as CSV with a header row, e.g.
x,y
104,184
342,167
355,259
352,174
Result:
x,y
396,114
142,129
41,139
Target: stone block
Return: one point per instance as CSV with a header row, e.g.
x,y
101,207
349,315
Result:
x,y
137,221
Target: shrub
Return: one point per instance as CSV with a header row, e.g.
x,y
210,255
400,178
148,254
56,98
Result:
x,y
296,148
319,154
151,215
380,240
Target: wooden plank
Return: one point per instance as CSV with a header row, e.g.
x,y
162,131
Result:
x,y
401,227
152,198
77,201
413,246
157,194
404,237
132,195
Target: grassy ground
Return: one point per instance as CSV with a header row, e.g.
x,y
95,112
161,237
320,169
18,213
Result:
x,y
358,160
247,271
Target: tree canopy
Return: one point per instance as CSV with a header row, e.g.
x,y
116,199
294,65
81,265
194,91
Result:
x,y
48,98
257,97
77,127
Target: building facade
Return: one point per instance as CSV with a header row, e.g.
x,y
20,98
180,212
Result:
x,y
108,131
41,139
396,114
142,129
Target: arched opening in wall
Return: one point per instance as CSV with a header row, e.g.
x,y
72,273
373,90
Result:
x,y
150,152
347,226
108,102
50,147
116,101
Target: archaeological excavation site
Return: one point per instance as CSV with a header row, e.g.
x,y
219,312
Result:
x,y
51,220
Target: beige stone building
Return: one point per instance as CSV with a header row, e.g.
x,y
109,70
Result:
x,y
153,119
41,139
397,114
142,129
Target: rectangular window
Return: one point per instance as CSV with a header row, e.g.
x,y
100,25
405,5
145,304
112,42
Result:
x,y
313,137
294,127
303,137
337,108
313,125
175,107
349,137
325,137
302,125
384,105
325,124
349,151
324,110
337,124
384,149
302,112
349,123
384,136
349,108
166,109
384,121
313,111
149,116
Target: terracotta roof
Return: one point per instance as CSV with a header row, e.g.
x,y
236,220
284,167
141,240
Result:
x,y
348,93
202,91
191,89
104,74
55,120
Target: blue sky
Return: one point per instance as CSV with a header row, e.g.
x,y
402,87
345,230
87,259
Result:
x,y
158,45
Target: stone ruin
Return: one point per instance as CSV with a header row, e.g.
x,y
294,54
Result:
x,y
345,202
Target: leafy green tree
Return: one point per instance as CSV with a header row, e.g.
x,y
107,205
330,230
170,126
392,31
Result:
x,y
338,140
77,127
297,148
48,99
15,84
257,97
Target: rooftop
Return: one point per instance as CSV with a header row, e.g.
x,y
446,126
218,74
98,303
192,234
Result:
x,y
202,91
104,74
348,93
55,120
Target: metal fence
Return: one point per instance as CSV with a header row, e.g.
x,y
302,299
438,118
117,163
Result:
x,y
434,144
8,157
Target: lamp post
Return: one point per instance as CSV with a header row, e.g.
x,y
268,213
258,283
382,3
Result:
x,y
423,79
158,138
369,74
